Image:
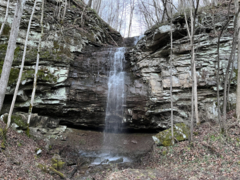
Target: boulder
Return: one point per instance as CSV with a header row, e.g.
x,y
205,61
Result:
x,y
164,138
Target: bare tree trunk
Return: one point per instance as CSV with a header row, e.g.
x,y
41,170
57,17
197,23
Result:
x,y
227,80
98,6
121,20
238,75
5,19
65,9
21,70
195,94
171,83
147,14
192,73
156,10
131,17
193,68
165,9
220,119
89,3
36,68
82,21
10,50
230,77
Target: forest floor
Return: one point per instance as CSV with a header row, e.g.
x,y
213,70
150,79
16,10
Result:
x,y
19,160
210,156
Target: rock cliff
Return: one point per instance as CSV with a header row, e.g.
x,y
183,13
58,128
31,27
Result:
x,y
62,45
75,64
151,69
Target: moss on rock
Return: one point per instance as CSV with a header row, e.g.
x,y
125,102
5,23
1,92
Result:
x,y
181,132
57,172
43,168
57,163
17,119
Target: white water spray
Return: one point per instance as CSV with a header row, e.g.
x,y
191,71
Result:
x,y
116,95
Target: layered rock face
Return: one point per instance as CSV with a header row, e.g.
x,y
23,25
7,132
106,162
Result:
x,y
151,68
63,42
76,60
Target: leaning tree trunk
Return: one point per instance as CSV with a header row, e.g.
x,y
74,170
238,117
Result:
x,y
21,70
36,71
10,50
5,19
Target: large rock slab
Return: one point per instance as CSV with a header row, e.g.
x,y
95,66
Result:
x,y
180,131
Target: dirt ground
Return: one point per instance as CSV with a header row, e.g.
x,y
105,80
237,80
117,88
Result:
x,y
212,155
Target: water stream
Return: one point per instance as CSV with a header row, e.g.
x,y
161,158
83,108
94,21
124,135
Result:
x,y
116,96
114,113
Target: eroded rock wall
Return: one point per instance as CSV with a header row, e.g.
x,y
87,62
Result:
x,y
75,64
63,42
151,70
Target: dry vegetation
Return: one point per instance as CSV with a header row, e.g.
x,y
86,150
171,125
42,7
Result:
x,y
211,156
19,160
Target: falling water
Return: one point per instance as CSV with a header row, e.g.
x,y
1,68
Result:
x,y
116,97
114,114
138,38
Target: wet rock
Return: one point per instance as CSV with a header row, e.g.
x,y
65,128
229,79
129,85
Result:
x,y
105,161
119,160
57,162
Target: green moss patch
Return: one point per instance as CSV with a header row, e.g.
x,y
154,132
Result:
x,y
57,172
57,163
43,75
43,168
17,119
181,132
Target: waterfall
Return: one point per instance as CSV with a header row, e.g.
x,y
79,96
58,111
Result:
x,y
112,151
116,96
137,38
